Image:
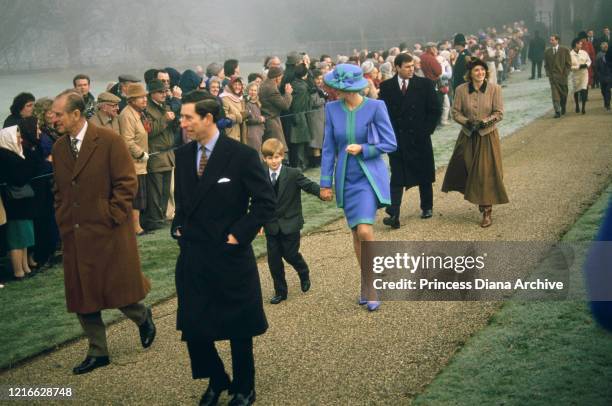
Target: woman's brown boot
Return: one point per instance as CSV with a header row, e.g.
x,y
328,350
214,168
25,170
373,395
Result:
x,y
486,216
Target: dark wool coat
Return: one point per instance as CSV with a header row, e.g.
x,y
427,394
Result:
x,y
300,106
414,117
460,67
217,284
93,209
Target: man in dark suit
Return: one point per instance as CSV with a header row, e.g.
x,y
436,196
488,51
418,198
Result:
x,y
558,64
537,46
283,233
414,112
223,198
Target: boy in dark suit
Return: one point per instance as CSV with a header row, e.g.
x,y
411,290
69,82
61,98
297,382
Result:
x,y
283,233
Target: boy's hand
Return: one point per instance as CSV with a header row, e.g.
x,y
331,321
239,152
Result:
x,y
325,194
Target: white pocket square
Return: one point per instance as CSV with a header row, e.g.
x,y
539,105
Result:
x,y
223,180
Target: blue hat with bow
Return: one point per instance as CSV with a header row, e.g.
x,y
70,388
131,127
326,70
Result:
x,y
346,78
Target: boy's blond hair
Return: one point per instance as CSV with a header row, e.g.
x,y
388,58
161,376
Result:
x,y
272,146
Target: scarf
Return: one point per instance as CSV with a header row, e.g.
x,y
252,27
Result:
x,y
227,92
9,140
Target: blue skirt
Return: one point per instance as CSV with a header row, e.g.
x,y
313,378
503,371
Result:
x,y
19,234
360,201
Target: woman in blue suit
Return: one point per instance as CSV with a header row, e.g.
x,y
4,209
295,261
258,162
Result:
x,y
357,132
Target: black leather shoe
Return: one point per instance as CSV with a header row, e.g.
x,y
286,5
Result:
x,y
557,115
241,400
426,214
90,364
277,299
392,221
305,285
211,396
147,330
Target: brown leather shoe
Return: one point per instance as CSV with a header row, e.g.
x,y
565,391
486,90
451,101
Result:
x,y
486,217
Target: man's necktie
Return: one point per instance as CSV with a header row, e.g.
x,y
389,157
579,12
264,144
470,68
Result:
x,y
273,178
554,51
203,162
146,123
404,87
73,147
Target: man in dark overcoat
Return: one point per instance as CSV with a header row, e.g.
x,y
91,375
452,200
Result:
x,y
414,112
95,183
537,46
223,198
463,57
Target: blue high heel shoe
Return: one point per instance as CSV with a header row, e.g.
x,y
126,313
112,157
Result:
x,y
373,305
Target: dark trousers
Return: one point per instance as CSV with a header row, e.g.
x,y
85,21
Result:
x,y
297,155
158,194
205,363
605,92
425,193
46,236
285,246
533,68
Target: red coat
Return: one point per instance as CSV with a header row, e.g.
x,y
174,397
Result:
x,y
589,49
430,66
93,209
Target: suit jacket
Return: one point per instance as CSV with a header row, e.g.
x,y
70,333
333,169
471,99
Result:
x,y
414,117
135,136
288,215
217,284
558,66
93,209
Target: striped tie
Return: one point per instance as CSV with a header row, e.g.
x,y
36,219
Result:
x,y
203,162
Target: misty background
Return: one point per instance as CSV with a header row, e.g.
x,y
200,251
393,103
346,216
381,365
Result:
x,y
58,34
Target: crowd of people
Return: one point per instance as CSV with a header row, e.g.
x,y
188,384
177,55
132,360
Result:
x,y
284,103
99,173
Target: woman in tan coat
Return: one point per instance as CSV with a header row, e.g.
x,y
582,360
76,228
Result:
x,y
235,109
475,169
